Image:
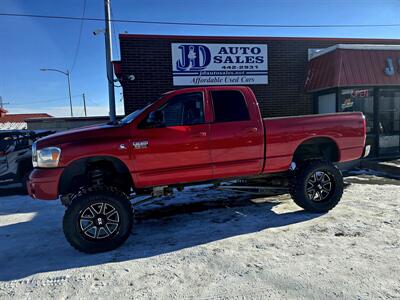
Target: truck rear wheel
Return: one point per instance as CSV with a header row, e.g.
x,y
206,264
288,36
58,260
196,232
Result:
x,y
317,186
98,220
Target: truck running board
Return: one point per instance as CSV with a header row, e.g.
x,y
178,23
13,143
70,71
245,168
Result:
x,y
165,191
255,190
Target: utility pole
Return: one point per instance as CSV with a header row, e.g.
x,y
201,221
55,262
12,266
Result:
x,y
84,104
2,103
110,72
69,93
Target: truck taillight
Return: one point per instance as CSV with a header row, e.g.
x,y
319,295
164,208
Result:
x,y
365,128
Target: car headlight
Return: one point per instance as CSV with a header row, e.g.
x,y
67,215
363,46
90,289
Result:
x,y
45,158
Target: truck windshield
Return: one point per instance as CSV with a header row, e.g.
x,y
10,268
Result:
x,y
132,116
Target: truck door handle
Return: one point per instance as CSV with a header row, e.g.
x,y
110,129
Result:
x,y
200,134
252,129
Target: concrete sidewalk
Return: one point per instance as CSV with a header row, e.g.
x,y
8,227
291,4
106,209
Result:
x,y
389,168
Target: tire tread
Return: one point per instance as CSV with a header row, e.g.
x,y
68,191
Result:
x,y
70,211
300,175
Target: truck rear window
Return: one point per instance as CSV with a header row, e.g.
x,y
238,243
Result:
x,y
229,106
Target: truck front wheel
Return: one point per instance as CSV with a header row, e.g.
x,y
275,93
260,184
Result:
x,y
98,220
317,186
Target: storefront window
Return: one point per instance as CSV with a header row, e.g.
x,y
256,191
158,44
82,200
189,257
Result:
x,y
358,99
327,103
389,120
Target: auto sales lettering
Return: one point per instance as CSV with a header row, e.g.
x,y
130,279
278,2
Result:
x,y
219,64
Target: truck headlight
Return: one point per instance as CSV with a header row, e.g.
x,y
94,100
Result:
x,y
45,158
34,155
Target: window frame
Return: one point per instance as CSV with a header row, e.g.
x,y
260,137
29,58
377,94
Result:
x,y
142,126
316,95
367,87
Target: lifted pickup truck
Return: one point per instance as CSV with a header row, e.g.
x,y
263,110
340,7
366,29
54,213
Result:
x,y
188,136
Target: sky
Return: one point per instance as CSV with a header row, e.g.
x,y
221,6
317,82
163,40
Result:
x,y
27,44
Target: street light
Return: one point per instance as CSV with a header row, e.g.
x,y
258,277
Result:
x,y
69,85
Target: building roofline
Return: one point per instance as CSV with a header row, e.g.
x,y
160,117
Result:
x,y
321,52
178,37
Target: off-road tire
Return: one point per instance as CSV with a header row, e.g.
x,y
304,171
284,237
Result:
x,y
300,185
81,202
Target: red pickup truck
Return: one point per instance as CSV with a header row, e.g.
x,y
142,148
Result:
x,y
188,136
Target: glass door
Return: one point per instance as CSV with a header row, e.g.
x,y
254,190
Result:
x,y
389,121
361,99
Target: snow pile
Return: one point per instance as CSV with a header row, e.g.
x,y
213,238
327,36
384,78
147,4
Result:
x,y
211,244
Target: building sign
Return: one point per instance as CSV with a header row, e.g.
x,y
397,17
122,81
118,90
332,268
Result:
x,y
219,64
352,99
360,93
389,70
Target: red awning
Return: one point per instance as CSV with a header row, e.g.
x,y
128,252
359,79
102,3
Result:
x,y
343,67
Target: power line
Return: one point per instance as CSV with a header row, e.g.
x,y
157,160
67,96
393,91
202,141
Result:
x,y
94,102
201,24
79,37
41,101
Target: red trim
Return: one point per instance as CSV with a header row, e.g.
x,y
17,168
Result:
x,y
19,118
117,68
258,38
351,67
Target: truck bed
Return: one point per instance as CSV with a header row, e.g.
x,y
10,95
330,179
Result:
x,y
284,134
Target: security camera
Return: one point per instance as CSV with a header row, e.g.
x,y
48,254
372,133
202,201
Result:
x,y
98,31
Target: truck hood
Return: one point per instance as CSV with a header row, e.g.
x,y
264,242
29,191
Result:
x,y
78,134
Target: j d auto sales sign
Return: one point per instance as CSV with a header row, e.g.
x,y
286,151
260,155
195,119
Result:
x,y
219,64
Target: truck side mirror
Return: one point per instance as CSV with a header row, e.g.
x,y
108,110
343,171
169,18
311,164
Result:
x,y
155,119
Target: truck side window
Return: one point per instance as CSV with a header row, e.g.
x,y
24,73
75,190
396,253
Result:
x,y
5,142
185,109
229,106
21,141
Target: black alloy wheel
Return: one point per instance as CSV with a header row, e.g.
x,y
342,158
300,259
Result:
x,y
98,219
317,186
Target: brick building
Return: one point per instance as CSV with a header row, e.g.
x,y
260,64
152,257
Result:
x,y
294,76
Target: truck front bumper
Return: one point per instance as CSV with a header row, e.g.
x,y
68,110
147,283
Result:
x,y
43,183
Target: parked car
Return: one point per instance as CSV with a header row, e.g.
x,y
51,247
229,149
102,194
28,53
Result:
x,y
16,155
188,136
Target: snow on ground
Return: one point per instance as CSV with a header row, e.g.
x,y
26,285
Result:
x,y
210,244
393,163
